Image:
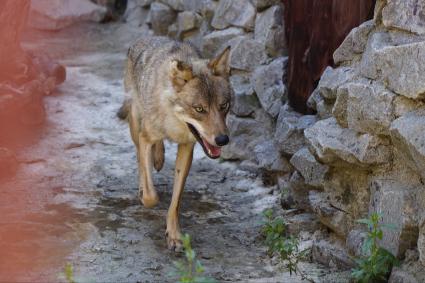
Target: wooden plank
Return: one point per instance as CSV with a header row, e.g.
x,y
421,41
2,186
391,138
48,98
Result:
x,y
315,28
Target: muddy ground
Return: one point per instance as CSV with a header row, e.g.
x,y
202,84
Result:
x,y
74,199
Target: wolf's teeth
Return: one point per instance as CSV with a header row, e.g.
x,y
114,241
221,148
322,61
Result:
x,y
209,151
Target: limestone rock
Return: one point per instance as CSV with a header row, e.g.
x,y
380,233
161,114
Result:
x,y
262,4
269,29
161,16
303,222
268,85
408,15
396,202
313,172
331,252
246,54
177,5
330,216
354,44
136,16
421,242
215,40
245,134
318,103
370,108
267,156
354,242
239,13
290,128
408,135
332,144
295,192
187,21
332,79
245,100
397,60
57,14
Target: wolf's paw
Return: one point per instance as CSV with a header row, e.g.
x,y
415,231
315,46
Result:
x,y
174,242
150,200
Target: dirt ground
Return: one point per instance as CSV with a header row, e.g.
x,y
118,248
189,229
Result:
x,y
75,201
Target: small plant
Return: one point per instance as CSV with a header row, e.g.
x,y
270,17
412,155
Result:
x,y
376,263
190,270
279,243
69,273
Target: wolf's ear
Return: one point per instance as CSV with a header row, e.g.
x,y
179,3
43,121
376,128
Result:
x,y
220,64
181,73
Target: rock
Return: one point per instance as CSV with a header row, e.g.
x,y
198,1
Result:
x,y
216,40
333,144
354,242
312,171
194,37
303,222
339,110
262,4
421,243
395,201
239,13
332,79
297,191
176,5
398,61
399,275
245,134
161,16
267,156
142,3
354,44
246,54
290,126
245,100
330,252
370,108
136,16
269,29
268,85
8,163
345,198
407,15
57,14
408,136
187,21
333,218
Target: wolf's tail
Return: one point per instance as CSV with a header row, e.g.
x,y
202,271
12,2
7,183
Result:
x,y
124,109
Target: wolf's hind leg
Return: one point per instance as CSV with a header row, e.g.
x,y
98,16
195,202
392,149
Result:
x,y
183,163
147,193
158,155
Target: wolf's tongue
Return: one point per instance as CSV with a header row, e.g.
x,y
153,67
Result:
x,y
214,151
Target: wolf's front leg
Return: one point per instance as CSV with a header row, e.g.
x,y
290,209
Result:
x,y
147,192
183,163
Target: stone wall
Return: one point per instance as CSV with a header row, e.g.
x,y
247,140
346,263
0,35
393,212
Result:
x,y
367,151
255,32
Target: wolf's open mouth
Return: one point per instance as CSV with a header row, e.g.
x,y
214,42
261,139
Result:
x,y
210,150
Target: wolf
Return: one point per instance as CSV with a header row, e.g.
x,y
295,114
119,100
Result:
x,y
175,95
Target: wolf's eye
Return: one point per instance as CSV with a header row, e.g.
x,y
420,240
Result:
x,y
199,109
224,106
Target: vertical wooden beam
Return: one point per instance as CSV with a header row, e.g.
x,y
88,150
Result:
x,y
315,28
13,19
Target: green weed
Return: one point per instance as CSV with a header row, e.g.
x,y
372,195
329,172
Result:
x,y
280,243
190,270
376,263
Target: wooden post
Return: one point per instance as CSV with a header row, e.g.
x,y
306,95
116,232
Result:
x,y
315,28
13,18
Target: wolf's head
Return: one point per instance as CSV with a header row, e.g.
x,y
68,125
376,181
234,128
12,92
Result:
x,y
203,97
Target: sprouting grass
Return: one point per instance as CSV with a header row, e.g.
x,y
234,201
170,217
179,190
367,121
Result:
x,y
376,263
190,270
283,245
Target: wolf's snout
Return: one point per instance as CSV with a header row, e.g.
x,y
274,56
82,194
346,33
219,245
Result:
x,y
222,140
